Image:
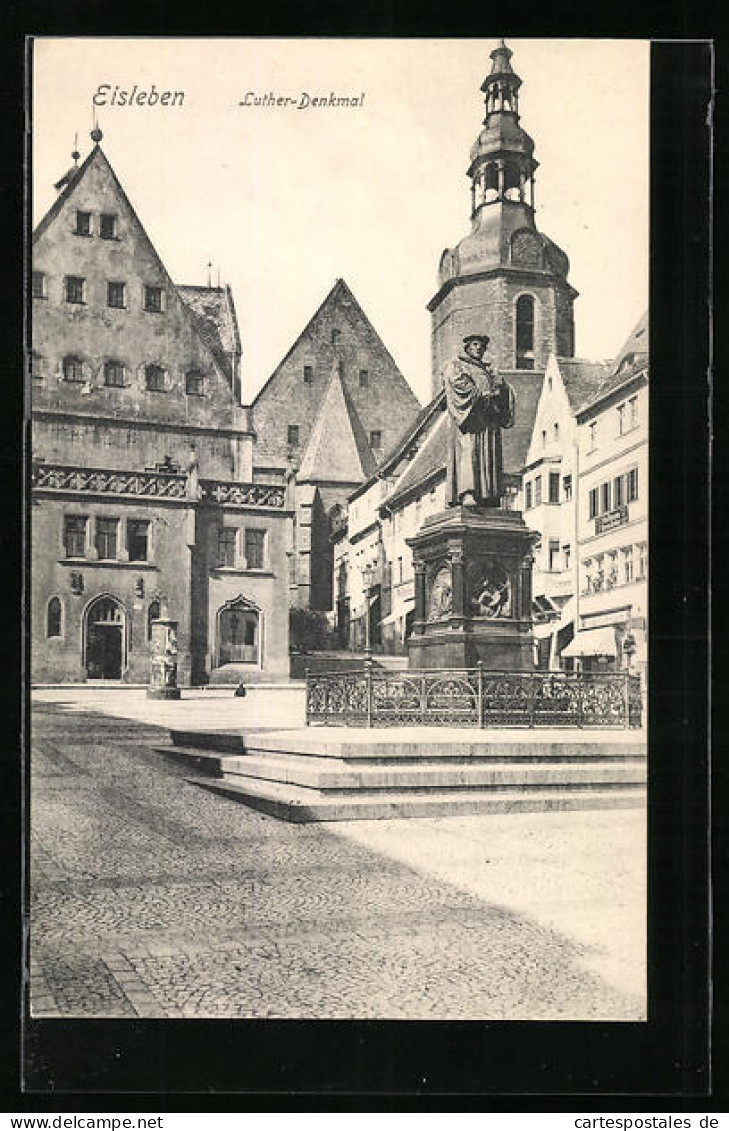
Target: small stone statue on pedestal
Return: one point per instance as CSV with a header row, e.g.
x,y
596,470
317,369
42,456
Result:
x,y
163,658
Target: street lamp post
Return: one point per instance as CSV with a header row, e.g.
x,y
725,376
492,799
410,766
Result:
x,y
367,579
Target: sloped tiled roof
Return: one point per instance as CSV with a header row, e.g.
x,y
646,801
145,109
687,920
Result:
x,y
337,450
581,379
515,441
214,316
633,357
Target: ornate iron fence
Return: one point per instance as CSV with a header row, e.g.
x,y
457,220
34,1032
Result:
x,y
473,697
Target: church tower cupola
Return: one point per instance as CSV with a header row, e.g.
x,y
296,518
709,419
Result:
x,y
505,278
502,162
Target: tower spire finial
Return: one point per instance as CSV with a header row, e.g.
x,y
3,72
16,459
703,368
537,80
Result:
x,y
96,134
75,155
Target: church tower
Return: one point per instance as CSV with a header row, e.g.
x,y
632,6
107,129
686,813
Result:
x,y
504,278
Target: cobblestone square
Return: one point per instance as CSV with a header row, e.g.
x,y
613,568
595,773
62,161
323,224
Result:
x,y
151,897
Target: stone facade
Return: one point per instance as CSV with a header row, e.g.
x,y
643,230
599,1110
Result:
x,y
143,475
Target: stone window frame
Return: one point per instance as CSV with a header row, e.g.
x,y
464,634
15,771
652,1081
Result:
x,y
156,378
251,535
38,284
81,529
112,235
114,365
84,229
73,370
60,624
75,285
194,377
116,283
292,435
147,290
147,522
375,438
308,374
100,521
223,539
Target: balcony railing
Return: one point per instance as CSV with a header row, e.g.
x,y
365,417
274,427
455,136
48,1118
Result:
x,y
473,697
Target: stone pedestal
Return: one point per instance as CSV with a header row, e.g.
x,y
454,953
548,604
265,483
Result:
x,y
473,591
163,660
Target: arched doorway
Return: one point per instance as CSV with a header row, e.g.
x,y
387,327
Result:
x,y
105,639
238,633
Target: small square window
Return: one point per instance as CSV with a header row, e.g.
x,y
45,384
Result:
x,y
254,548
364,378
35,366
39,284
106,530
73,370
83,223
115,295
554,486
308,374
293,434
74,288
114,374
567,486
632,486
336,335
137,540
107,226
376,439
605,496
153,300
194,383
226,547
154,378
74,535
553,558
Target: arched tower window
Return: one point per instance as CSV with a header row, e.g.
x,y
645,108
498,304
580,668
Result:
x,y
53,617
525,332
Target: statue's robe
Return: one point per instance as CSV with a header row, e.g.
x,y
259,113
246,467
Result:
x,y
474,461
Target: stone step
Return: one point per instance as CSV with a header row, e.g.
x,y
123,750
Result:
x,y
331,776
293,803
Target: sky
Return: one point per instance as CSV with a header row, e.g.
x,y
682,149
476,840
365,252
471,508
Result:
x,y
283,201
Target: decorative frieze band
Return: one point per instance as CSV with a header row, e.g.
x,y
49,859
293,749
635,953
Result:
x,y
157,485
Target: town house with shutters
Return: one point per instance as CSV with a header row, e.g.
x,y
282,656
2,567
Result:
x,y
144,493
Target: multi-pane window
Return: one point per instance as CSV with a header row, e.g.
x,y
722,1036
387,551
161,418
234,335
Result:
x,y
642,559
528,496
632,485
194,383
226,546
154,378
628,563
106,532
83,223
114,374
618,491
137,540
567,556
593,436
567,486
53,617
255,541
73,369
74,535
153,299
293,434
364,378
107,226
115,295
554,486
74,288
553,555
605,497
39,284
376,439
593,502
633,412
308,374
537,490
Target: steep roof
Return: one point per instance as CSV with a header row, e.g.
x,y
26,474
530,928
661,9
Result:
x,y
581,379
337,450
406,441
213,312
515,441
632,359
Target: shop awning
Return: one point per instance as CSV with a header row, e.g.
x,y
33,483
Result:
x,y
592,642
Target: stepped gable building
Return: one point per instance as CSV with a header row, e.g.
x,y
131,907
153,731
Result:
x,y
323,421
143,493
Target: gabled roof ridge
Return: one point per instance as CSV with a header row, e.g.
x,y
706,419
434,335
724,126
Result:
x,y
336,388
61,200
400,447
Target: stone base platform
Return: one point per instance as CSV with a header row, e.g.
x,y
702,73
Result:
x,y
304,775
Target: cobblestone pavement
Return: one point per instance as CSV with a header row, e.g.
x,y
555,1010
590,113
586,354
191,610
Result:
x,y
151,897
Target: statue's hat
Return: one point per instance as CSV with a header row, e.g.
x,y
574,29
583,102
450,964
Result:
x,y
477,338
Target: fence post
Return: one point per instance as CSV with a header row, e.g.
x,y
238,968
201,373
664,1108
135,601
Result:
x,y
308,689
368,688
479,678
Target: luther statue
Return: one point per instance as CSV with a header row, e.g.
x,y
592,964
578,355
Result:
x,y
480,403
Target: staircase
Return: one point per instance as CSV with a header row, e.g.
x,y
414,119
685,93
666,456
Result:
x,y
312,775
